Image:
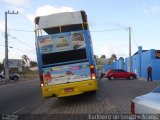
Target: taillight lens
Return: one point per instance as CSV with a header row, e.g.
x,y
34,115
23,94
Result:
x,y
133,108
41,79
93,76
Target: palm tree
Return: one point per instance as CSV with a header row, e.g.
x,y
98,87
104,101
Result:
x,y
95,56
121,58
25,60
112,59
33,64
103,56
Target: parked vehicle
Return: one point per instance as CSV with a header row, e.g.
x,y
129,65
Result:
x,y
1,77
12,76
119,73
147,104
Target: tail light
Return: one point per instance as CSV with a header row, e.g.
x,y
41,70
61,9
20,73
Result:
x,y
133,108
41,80
93,76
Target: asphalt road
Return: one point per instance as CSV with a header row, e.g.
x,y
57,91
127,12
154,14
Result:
x,y
112,97
15,97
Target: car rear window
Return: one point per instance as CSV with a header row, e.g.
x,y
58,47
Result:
x,y
157,90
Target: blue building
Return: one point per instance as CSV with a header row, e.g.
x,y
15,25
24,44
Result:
x,y
140,62
119,64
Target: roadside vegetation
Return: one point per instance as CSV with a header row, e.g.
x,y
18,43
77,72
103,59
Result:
x,y
28,68
29,74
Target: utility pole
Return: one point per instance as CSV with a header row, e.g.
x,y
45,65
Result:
x,y
6,46
130,58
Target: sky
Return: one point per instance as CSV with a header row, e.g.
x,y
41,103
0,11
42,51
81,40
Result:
x,y
108,21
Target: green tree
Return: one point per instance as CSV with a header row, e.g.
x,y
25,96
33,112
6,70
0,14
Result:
x,y
25,60
95,56
103,56
121,58
112,59
33,64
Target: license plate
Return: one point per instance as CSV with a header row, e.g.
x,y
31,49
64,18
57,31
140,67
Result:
x,y
69,90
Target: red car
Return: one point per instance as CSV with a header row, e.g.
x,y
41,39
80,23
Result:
x,y
119,73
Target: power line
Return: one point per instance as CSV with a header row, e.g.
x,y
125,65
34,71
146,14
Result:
x,y
22,50
19,49
18,54
31,53
134,38
21,30
109,30
32,50
18,46
91,31
20,41
126,28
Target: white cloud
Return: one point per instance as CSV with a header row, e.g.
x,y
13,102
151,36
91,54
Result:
x,y
2,24
14,8
16,5
155,8
47,9
17,2
109,49
31,17
146,11
152,9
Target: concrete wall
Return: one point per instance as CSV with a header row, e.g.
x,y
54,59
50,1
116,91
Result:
x,y
106,67
119,64
135,65
156,69
140,63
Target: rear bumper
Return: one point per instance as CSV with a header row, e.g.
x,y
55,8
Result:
x,y
79,88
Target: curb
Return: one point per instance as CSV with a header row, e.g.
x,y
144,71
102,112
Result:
x,y
12,81
142,79
2,83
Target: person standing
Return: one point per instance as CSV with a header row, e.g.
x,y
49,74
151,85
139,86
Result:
x,y
100,74
149,73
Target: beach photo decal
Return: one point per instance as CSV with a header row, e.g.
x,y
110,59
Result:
x,y
46,44
77,39
62,42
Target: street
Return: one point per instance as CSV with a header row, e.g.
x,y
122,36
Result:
x,y
16,96
113,97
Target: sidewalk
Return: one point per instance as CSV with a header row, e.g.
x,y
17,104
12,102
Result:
x,y
2,82
6,82
144,79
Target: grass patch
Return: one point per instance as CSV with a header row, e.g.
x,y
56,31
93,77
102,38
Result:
x,y
29,74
